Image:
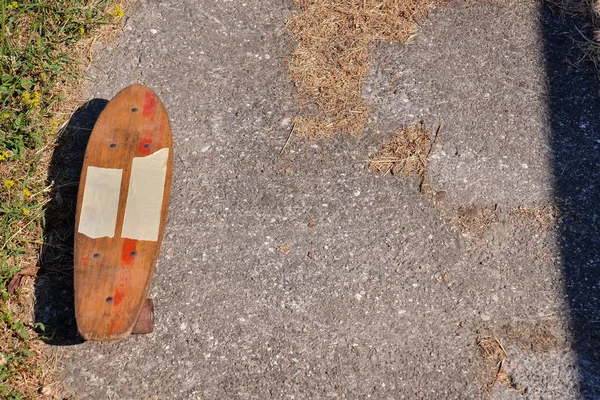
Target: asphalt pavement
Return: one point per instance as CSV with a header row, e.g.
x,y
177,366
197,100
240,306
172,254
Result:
x,y
306,275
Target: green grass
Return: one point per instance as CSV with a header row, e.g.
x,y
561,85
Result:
x,y
41,49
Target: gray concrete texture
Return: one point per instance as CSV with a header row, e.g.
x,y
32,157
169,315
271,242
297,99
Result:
x,y
380,297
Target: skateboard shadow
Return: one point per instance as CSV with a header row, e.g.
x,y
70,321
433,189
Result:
x,y
574,117
54,306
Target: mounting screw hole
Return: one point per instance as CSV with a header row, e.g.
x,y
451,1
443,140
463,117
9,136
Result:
x,y
134,109
109,299
146,145
133,254
113,145
96,255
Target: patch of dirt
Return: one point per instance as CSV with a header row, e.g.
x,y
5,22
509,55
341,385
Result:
x,y
331,57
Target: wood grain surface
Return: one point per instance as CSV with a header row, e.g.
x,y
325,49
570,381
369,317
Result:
x,y
113,274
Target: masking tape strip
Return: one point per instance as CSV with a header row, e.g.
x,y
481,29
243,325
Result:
x,y
100,204
145,196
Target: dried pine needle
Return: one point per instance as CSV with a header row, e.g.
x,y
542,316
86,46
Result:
x,y
331,57
406,154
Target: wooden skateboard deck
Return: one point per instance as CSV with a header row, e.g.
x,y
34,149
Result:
x,y
121,212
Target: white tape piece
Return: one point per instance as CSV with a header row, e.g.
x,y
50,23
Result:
x,y
100,203
145,196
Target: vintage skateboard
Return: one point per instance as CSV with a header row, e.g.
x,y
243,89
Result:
x,y
121,211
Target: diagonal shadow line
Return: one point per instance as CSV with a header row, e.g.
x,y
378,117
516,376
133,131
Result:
x,y
573,114
54,293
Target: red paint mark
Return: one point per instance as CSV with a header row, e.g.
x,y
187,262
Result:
x,y
145,148
150,103
149,133
119,295
162,129
84,261
129,246
163,124
117,325
121,303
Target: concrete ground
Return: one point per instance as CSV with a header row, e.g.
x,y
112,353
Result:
x,y
383,292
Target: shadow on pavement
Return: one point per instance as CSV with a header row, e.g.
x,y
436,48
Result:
x,y
574,120
54,287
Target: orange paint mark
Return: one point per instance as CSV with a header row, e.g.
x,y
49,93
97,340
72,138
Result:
x,y
150,103
128,252
84,261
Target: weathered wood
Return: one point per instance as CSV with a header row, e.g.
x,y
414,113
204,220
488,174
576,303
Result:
x,y
113,274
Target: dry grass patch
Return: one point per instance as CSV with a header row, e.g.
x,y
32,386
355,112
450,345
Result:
x,y
491,348
475,218
537,336
493,352
545,216
331,57
525,335
406,154
588,11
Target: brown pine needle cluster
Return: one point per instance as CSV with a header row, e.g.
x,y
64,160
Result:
x,y
406,154
491,348
589,35
331,57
